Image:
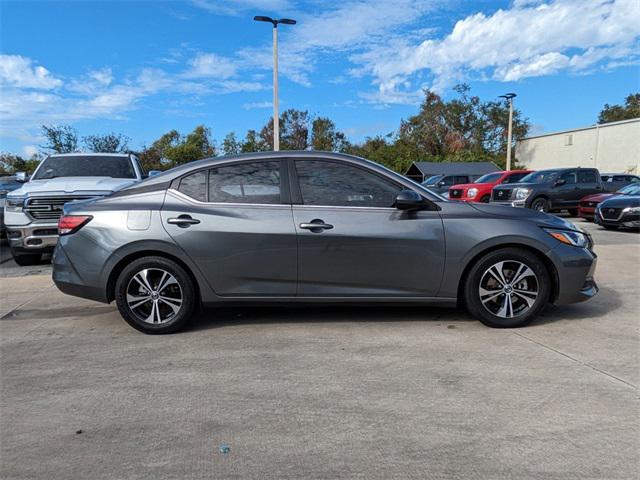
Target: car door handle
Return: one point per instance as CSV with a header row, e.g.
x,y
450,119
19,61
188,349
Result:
x,y
183,221
316,226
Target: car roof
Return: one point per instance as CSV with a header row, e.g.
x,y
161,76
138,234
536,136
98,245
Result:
x,y
90,154
180,170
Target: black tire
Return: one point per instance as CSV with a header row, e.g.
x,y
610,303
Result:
x,y
511,256
485,199
573,212
26,259
611,227
541,205
175,321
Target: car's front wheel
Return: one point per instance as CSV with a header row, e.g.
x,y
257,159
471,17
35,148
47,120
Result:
x,y
541,205
507,288
155,295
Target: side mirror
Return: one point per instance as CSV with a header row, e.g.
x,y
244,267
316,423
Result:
x,y
409,200
22,177
153,173
560,181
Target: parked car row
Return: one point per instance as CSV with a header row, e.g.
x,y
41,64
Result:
x,y
580,191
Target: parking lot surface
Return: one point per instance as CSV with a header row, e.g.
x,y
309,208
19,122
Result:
x,y
315,392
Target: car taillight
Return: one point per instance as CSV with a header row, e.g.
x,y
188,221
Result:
x,y
72,223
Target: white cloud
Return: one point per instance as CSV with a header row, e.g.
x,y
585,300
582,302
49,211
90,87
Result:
x,y
18,71
530,39
254,105
211,65
30,150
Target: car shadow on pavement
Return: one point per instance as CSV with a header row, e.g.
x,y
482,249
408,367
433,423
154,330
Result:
x,y
216,317
607,301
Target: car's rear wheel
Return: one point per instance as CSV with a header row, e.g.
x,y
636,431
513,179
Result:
x,y
155,295
611,227
573,212
26,259
507,288
540,204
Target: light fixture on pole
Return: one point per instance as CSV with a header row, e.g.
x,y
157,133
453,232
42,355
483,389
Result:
x,y
276,115
509,97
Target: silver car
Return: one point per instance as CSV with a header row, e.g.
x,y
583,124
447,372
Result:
x,y
312,227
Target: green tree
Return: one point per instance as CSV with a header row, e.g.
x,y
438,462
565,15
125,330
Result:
x,y
324,136
615,113
108,143
254,143
59,139
294,130
231,145
173,149
10,164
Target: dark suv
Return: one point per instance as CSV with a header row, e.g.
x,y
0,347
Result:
x,y
550,190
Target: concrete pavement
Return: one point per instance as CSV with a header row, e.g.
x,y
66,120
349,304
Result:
x,y
322,392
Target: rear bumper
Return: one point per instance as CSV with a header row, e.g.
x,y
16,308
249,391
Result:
x,y
586,212
35,237
69,281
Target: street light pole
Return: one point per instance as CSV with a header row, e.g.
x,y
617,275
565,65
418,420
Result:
x,y
276,114
509,97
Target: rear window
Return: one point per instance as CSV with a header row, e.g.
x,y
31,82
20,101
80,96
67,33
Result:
x,y
587,176
85,166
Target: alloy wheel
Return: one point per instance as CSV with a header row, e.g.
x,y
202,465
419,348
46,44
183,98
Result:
x,y
508,289
154,296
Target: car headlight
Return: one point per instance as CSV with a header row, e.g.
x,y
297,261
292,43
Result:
x,y
522,193
472,192
14,204
570,237
631,210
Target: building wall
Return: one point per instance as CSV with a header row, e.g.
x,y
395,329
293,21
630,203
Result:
x,y
613,147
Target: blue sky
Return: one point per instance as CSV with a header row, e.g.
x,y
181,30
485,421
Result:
x,y
144,67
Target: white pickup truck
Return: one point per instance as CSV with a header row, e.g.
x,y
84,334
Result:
x,y
31,212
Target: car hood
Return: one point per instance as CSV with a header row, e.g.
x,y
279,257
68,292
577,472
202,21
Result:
x,y
542,219
598,197
69,185
467,186
511,186
621,201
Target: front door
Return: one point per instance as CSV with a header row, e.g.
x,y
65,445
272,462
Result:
x,y
236,224
354,243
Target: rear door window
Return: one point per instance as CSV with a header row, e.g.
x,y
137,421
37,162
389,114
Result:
x,y
256,182
587,176
569,177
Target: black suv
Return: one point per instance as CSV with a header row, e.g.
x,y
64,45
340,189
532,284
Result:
x,y
550,190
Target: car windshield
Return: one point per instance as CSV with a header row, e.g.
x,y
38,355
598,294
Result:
x,y
432,180
633,189
540,177
85,166
489,178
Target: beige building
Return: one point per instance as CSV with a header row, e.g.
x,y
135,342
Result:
x,y
612,148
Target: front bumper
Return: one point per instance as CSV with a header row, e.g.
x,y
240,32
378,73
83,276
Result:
x,y
575,268
36,237
630,220
511,203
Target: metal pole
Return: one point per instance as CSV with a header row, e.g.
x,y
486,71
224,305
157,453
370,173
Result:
x,y
276,116
509,134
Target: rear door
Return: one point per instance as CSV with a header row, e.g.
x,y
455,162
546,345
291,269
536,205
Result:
x,y
353,242
588,182
235,222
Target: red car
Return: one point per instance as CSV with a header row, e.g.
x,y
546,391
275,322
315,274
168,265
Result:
x,y
480,190
588,204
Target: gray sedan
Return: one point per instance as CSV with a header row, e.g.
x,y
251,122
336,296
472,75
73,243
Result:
x,y
312,227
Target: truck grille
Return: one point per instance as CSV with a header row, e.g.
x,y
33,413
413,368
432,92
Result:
x,y
500,194
457,193
48,208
